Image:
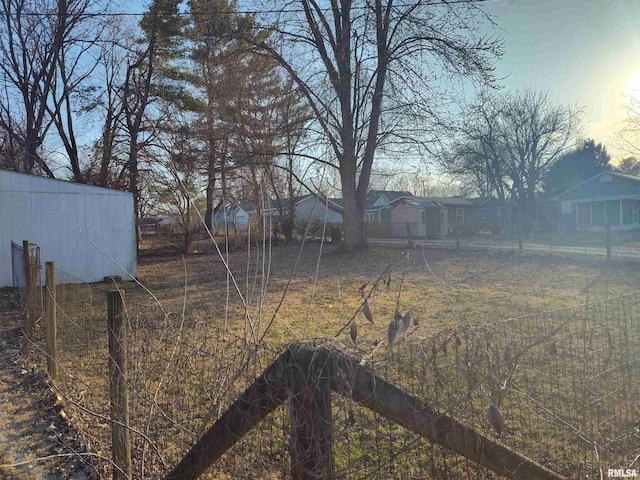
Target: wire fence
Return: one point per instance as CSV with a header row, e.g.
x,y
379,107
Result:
x,y
566,384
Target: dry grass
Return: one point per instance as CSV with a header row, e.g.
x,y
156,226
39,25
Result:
x,y
189,358
442,289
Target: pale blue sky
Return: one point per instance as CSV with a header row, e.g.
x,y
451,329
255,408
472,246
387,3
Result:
x,y
584,52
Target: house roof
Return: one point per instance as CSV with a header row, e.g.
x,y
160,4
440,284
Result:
x,y
604,186
451,201
391,195
333,203
418,202
481,201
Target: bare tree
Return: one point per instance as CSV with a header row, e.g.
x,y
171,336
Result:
x,y
178,183
109,166
510,141
367,70
75,66
39,54
628,134
480,156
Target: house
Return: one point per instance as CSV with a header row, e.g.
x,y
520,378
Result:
x,y
420,217
149,225
487,212
609,198
89,232
309,207
312,207
461,213
378,208
231,216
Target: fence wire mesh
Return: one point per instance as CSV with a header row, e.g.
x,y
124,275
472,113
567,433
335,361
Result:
x,y
567,383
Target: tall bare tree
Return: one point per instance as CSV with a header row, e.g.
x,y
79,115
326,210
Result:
x,y
177,187
628,134
511,140
109,164
368,69
40,51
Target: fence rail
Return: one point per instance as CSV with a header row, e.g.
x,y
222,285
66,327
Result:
x,y
304,374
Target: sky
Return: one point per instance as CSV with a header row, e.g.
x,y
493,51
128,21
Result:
x,y
585,53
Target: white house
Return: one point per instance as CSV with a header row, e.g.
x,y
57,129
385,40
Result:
x,y
235,216
88,231
308,207
314,208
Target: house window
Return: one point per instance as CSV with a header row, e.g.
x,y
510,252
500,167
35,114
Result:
x,y
485,215
370,217
635,212
459,215
424,217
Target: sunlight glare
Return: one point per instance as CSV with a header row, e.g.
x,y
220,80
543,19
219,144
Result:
x,y
632,88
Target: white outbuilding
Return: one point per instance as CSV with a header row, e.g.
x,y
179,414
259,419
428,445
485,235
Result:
x,y
88,231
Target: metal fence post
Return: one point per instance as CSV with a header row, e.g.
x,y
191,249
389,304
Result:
x,y
608,242
50,313
29,287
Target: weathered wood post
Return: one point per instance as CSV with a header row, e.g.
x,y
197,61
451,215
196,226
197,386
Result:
x,y
457,240
50,314
308,376
520,249
608,243
118,398
409,240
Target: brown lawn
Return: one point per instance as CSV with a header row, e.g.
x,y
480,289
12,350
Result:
x,y
441,288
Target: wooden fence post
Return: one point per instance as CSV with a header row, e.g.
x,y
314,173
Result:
x,y
520,249
457,240
409,241
118,398
51,305
311,421
608,243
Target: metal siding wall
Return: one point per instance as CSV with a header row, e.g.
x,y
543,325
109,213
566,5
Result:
x,y
50,213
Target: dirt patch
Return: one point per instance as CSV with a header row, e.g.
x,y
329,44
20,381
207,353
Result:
x,y
36,442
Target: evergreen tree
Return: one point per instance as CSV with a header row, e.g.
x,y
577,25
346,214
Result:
x,y
587,160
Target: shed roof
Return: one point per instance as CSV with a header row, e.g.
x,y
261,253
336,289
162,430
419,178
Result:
x,y
11,181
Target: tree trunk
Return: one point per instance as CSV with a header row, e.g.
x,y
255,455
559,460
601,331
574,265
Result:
x,y
352,215
133,181
211,183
